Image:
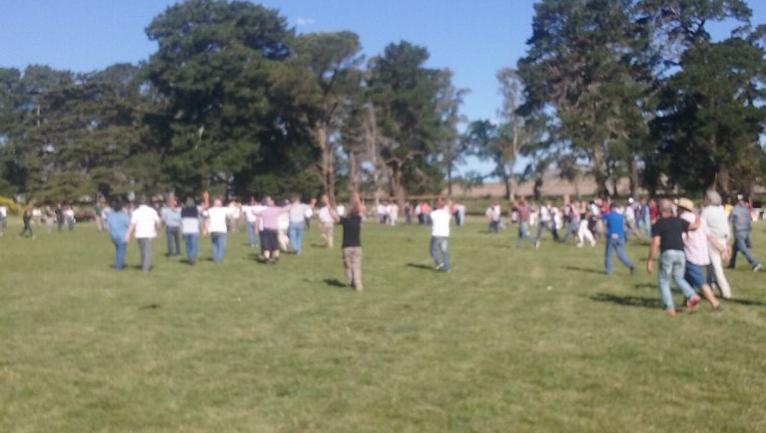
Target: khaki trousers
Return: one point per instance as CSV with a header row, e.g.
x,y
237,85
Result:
x,y
326,231
352,262
717,263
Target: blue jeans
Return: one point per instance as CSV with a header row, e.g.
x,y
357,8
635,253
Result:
x,y
524,234
120,247
252,234
439,245
741,245
174,238
618,245
295,233
572,229
218,241
645,226
673,263
192,246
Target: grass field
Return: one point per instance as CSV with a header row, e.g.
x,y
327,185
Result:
x,y
509,341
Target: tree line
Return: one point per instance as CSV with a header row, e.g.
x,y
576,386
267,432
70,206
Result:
x,y
236,102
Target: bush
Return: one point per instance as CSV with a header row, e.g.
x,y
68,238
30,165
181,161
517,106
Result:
x,y
10,204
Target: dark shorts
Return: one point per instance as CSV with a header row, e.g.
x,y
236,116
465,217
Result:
x,y
269,240
694,275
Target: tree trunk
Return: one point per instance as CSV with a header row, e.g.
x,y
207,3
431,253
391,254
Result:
x,y
633,169
599,175
397,189
327,167
353,177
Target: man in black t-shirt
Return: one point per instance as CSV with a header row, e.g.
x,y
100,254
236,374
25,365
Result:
x,y
667,236
352,245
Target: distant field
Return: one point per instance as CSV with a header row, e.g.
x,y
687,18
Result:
x,y
510,341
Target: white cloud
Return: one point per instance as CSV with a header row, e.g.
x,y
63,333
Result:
x,y
304,21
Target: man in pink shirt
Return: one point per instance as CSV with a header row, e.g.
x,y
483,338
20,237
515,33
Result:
x,y
696,251
270,239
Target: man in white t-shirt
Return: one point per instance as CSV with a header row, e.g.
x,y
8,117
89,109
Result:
x,y
253,221
147,225
440,222
217,217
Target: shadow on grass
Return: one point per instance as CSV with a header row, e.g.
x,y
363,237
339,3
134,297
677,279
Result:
x,y
149,307
419,266
745,302
628,301
645,286
588,270
334,282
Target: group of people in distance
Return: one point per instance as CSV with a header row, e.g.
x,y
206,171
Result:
x,y
689,240
266,224
692,245
33,216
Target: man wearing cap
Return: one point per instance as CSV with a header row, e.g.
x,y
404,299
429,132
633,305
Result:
x,y
696,251
615,239
715,217
743,224
667,236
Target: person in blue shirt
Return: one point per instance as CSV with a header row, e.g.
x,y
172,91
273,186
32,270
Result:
x,y
615,239
117,223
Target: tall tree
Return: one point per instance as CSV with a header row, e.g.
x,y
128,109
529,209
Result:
x,y
714,115
83,139
403,93
320,84
578,66
211,71
450,146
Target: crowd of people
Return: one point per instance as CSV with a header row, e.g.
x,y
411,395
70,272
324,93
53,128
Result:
x,y
692,244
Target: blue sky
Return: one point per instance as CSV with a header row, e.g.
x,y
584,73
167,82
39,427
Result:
x,y
474,38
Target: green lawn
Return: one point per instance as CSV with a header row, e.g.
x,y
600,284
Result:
x,y
509,341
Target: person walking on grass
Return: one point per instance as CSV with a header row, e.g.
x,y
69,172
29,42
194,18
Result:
x,y
440,226
270,237
27,219
696,251
667,237
352,245
524,212
171,217
583,232
217,218
715,217
147,225
326,222
297,225
493,214
117,224
571,218
190,223
70,218
615,239
742,221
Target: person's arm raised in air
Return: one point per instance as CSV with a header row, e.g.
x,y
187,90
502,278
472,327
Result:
x,y
331,207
